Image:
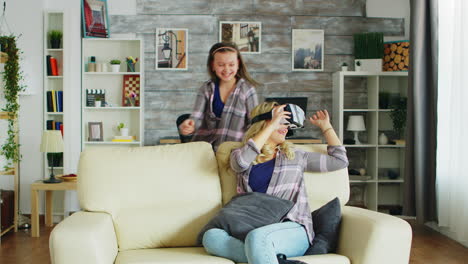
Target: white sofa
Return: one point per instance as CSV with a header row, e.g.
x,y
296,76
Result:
x,y
147,205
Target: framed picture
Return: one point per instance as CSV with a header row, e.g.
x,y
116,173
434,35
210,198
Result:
x,y
131,90
171,49
307,50
94,18
95,131
246,35
357,196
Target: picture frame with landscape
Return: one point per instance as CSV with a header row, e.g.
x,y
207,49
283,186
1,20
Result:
x,y
307,49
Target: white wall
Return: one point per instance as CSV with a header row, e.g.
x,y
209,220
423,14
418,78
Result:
x,y
28,22
393,8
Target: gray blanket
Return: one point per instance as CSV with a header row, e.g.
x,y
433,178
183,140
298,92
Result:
x,y
246,212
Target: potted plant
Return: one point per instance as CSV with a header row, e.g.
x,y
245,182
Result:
x,y
123,129
55,37
368,50
344,66
115,65
384,99
398,116
357,66
97,102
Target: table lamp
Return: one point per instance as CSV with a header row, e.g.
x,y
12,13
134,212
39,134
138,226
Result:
x,y
52,142
356,124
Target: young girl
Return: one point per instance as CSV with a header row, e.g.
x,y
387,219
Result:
x,y
224,102
267,163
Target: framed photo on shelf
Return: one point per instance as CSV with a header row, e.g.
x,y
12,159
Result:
x,y
307,49
95,19
171,49
131,90
95,131
246,35
357,196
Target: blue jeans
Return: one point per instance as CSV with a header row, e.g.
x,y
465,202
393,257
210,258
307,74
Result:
x,y
261,245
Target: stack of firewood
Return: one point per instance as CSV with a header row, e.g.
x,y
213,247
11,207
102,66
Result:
x,y
396,56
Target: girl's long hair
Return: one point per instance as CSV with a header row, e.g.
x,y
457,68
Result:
x,y
228,47
254,129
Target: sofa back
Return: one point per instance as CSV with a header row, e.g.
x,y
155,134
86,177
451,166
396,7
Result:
x,y
321,187
159,196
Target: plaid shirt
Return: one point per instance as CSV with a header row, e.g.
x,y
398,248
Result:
x,y
234,118
287,181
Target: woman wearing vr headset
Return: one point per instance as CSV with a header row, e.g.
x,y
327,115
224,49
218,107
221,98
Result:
x,y
224,102
267,163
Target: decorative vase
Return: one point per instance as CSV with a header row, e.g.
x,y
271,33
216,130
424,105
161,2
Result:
x,y
124,131
383,139
91,67
344,68
370,65
115,67
97,103
131,67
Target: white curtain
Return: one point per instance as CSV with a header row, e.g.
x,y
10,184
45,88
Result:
x,y
452,127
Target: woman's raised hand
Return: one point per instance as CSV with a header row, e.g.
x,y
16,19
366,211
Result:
x,y
187,127
321,119
279,116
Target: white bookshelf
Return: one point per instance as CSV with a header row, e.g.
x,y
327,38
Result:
x,y
113,112
53,20
357,93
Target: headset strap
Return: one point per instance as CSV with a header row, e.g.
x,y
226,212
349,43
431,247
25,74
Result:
x,y
264,116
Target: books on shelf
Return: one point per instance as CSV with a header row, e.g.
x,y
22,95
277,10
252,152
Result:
x,y
52,66
54,125
124,139
359,178
54,101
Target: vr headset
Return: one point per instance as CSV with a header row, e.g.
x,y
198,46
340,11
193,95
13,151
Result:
x,y
295,121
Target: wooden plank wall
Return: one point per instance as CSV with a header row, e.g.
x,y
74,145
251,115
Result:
x,y
171,93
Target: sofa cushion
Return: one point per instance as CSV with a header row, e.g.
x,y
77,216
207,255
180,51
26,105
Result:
x,y
191,255
322,259
326,221
321,187
248,211
158,196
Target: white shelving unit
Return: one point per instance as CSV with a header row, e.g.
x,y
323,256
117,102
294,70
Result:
x,y
113,111
357,93
53,20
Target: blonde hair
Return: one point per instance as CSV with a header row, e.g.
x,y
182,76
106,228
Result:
x,y
286,147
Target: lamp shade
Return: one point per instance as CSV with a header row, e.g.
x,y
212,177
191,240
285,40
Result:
x,y
52,141
356,123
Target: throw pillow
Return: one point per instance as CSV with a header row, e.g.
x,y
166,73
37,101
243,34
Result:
x,y
326,222
246,212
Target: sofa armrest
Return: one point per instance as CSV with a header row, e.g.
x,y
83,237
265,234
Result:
x,y
368,237
84,237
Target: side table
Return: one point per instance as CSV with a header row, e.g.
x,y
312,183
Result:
x,y
48,188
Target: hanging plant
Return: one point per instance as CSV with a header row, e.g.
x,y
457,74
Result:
x,y
11,79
